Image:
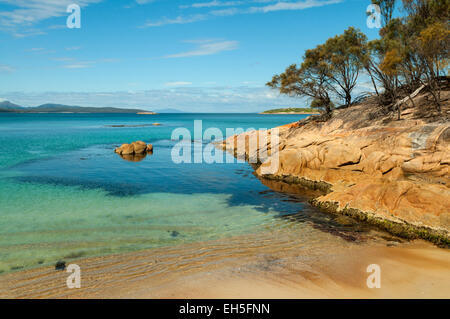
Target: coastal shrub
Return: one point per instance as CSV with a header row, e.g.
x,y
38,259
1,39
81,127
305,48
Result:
x,y
412,51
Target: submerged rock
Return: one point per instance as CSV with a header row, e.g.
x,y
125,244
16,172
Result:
x,y
174,233
60,265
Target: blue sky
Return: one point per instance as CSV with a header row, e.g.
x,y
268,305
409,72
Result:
x,y
200,55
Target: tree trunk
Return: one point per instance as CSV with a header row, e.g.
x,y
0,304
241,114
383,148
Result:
x,y
348,99
373,81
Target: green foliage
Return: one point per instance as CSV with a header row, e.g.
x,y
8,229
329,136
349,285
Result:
x,y
329,70
387,9
434,46
422,13
308,80
391,62
318,104
412,50
343,59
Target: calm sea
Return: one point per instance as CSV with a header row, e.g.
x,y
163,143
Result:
x,y
65,194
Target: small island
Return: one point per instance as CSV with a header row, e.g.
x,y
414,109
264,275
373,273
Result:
x,y
291,110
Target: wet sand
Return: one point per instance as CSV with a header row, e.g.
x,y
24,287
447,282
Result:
x,y
272,264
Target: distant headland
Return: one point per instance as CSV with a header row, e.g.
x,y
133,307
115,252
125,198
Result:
x,y
8,107
291,110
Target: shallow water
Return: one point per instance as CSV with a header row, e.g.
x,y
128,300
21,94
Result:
x,y
65,194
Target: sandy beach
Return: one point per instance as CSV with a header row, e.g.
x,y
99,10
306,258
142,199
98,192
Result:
x,y
233,268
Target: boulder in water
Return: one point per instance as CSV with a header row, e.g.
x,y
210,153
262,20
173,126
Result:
x,y
135,148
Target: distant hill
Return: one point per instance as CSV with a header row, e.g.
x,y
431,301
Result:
x,y
291,110
169,111
7,106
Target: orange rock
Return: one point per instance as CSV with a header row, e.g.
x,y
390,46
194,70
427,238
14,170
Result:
x,y
127,149
139,147
397,170
135,148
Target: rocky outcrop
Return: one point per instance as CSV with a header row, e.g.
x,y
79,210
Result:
x,y
369,165
135,148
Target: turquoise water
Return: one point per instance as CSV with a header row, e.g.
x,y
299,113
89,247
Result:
x,y
65,194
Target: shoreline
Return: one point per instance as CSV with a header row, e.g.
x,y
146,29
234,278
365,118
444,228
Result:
x,y
402,229
289,113
409,270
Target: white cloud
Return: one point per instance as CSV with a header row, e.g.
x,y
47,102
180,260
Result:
x,y
236,8
144,1
191,99
36,49
40,51
71,63
27,13
299,5
22,33
6,68
78,65
177,20
207,47
57,27
73,48
179,83
210,4
63,59
217,3
108,60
